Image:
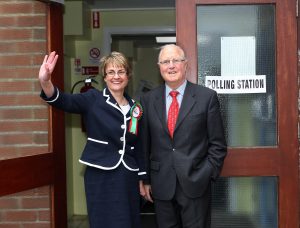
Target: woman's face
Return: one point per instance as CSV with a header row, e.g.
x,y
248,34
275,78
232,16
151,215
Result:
x,y
116,78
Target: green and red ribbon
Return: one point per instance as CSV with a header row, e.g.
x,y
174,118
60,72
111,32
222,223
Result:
x,y
136,112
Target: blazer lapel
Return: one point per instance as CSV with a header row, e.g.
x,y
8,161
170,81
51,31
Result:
x,y
112,102
160,106
187,103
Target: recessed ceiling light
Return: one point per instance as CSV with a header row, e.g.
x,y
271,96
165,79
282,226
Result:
x,y
165,39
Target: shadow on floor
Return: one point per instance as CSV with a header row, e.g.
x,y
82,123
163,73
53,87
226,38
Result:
x,y
80,221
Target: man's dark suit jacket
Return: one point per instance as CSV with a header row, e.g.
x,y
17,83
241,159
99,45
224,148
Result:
x,y
196,153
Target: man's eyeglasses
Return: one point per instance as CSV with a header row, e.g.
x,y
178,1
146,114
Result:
x,y
168,62
112,73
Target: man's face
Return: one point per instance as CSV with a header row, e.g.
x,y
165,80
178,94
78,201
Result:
x,y
172,66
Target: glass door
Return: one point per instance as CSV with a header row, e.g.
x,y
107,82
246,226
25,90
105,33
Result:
x,y
246,51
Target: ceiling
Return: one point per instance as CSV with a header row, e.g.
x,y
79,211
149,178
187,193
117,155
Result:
x,y
130,4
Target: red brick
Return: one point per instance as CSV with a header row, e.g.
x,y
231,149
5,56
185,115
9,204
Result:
x,y
17,7
15,151
24,113
41,113
16,34
9,203
24,138
12,153
37,225
38,125
21,216
17,86
8,21
39,7
39,34
20,100
40,138
31,21
35,203
17,60
20,47
10,225
44,215
21,72
14,114
41,191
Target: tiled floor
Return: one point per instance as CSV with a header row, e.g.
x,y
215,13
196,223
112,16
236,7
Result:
x,y
80,221
147,218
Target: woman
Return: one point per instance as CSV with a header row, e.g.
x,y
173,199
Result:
x,y
112,155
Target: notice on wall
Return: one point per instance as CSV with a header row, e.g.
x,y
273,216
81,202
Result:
x,y
238,56
94,55
89,70
237,84
238,68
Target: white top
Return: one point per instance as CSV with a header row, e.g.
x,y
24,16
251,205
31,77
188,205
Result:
x,y
125,108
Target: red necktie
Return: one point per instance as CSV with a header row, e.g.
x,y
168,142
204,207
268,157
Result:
x,y
173,112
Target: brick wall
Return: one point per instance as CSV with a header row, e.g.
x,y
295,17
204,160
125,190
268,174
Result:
x,y
28,209
23,116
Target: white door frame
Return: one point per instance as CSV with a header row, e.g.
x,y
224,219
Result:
x,y
109,31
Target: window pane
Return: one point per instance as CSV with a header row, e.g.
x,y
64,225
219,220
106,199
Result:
x,y
245,202
249,118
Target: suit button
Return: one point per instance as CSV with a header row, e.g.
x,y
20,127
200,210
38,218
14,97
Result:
x,y
174,149
120,151
123,126
121,139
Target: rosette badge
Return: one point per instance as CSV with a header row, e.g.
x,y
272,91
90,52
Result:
x,y
136,112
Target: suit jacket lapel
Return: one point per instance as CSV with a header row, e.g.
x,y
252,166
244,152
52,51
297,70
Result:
x,y
160,106
187,103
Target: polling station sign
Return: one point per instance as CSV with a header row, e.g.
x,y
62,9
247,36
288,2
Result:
x,y
237,84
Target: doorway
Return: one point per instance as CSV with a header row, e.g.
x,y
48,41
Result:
x,y
142,52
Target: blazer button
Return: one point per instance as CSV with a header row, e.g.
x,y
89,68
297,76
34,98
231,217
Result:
x,y
174,149
121,139
123,126
120,151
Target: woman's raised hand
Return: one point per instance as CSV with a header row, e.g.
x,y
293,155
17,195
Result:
x,y
47,67
45,72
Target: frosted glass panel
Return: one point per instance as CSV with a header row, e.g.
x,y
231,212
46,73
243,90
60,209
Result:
x,y
237,202
245,202
224,35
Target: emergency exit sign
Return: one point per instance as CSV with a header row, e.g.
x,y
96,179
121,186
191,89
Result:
x,y
89,70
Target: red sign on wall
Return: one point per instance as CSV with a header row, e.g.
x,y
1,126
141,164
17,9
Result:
x,y
89,70
96,19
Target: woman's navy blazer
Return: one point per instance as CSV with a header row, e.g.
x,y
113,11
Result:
x,y
109,143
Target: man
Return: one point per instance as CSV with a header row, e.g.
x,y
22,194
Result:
x,y
185,151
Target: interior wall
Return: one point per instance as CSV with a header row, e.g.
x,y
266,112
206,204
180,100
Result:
x,y
79,39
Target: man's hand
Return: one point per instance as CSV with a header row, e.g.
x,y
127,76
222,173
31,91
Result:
x,y
145,191
148,193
